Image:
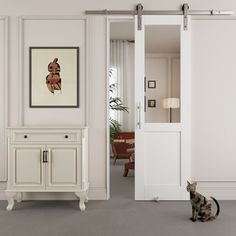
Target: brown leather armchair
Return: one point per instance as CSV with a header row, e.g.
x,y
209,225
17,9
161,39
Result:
x,y
120,144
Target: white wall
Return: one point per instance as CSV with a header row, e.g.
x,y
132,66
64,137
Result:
x,y
32,37
3,96
214,103
128,92
163,68
213,85
214,100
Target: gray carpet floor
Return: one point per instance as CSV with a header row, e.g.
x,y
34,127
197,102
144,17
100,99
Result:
x,y
121,215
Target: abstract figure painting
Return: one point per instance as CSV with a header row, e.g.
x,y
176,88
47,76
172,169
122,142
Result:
x,y
54,77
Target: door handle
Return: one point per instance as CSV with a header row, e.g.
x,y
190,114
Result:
x,y
139,115
45,156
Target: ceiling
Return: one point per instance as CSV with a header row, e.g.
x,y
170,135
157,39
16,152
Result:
x,y
158,38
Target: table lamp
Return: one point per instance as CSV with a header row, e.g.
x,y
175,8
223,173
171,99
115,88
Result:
x,y
170,103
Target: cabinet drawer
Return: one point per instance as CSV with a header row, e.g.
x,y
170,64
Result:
x,y
20,136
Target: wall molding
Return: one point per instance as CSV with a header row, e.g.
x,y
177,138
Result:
x,y
213,180
213,18
21,72
3,159
3,186
221,189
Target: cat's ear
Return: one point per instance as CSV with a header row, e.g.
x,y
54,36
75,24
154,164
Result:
x,y
194,184
188,182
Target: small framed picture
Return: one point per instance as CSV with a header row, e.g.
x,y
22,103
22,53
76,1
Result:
x,y
151,103
151,83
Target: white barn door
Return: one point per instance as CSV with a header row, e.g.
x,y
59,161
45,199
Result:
x,y
162,147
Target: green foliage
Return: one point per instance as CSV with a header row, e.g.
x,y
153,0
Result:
x,y
115,103
115,127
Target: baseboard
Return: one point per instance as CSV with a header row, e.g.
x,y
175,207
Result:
x,y
2,190
97,193
220,189
94,194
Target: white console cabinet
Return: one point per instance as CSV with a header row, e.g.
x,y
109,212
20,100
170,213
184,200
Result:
x,y
47,160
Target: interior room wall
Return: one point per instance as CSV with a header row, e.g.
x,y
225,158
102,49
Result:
x,y
3,96
124,30
213,105
32,37
213,82
164,69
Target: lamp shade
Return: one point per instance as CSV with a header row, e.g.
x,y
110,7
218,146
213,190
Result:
x,y
170,103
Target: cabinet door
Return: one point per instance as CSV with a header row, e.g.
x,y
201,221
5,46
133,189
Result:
x,y
64,167
26,169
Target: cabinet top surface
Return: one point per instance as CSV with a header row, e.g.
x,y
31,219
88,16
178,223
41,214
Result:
x,y
47,127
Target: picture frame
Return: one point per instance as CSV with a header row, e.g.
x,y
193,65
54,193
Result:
x,y
151,103
54,77
151,83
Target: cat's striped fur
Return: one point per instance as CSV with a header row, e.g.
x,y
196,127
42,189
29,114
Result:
x,y
201,207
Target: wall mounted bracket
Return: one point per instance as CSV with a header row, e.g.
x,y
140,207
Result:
x,y
140,12
185,9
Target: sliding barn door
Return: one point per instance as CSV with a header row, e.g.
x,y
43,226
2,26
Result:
x,y
162,100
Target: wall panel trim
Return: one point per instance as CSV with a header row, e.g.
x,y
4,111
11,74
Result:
x,y
21,22
221,189
3,157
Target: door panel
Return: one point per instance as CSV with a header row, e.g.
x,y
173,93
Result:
x,y
63,166
162,153
26,167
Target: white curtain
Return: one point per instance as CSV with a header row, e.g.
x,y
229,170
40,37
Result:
x,y
122,62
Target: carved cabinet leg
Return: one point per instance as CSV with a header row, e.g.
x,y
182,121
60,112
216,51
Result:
x,y
10,199
82,199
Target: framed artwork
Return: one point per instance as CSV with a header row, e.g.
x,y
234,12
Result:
x,y
54,77
151,83
151,103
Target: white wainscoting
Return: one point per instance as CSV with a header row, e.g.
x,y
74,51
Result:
x,y
3,95
36,31
91,40
3,187
219,189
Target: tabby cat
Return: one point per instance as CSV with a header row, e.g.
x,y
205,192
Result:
x,y
201,207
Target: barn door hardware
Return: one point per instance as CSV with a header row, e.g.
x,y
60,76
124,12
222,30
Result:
x,y
140,12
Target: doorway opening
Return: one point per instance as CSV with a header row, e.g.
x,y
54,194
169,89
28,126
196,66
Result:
x,y
121,138
152,115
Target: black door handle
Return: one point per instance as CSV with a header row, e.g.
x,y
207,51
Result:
x,y
45,156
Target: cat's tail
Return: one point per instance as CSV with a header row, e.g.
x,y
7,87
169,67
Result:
x,y
218,207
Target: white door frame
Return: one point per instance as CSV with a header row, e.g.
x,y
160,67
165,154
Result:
x,y
110,19
168,191
184,113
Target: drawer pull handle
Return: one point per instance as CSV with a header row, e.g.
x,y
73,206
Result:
x,y
45,156
25,136
66,136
